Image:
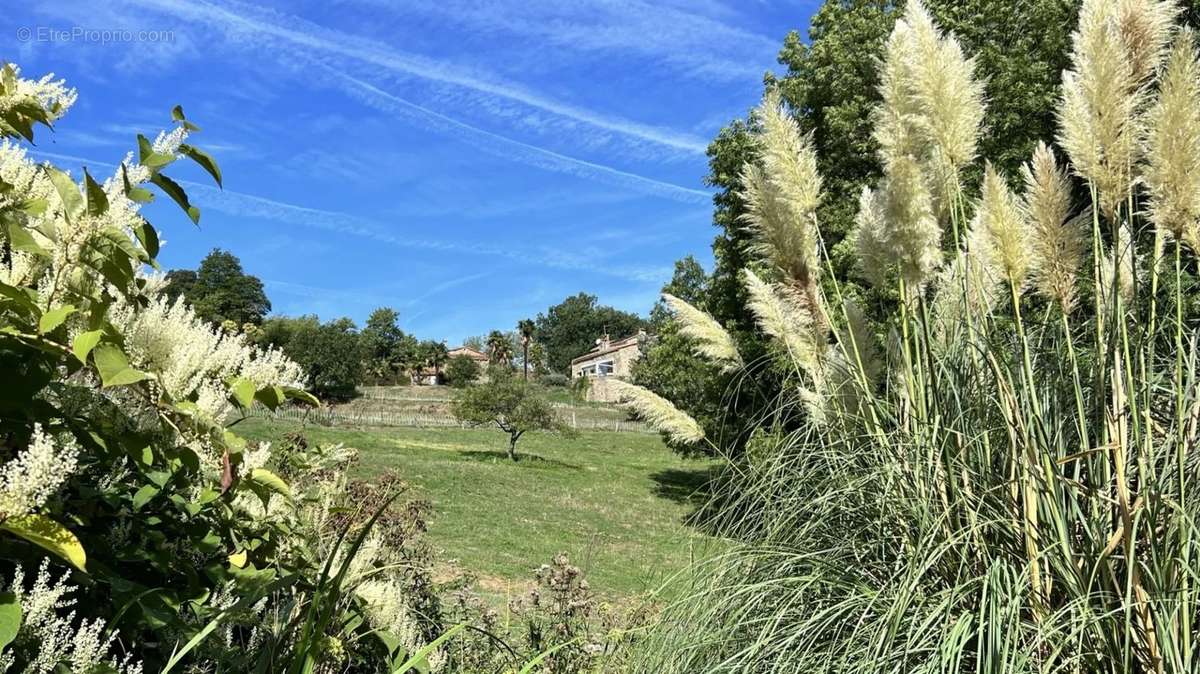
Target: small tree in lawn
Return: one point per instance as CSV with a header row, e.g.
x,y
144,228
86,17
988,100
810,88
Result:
x,y
510,403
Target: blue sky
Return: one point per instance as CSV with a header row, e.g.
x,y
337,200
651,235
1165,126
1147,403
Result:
x,y
469,162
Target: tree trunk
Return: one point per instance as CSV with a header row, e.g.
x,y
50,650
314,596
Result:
x,y
525,358
512,445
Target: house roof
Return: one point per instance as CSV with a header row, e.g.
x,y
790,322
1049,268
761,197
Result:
x,y
615,345
467,351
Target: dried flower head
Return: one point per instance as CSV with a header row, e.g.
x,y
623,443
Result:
x,y
870,238
1098,118
1145,28
657,411
945,87
1172,146
932,108
1000,220
968,288
1057,242
712,341
781,314
782,193
912,236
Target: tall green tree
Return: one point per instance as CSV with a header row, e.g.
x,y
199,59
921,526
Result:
x,y
385,345
499,349
436,355
526,329
331,353
220,290
570,328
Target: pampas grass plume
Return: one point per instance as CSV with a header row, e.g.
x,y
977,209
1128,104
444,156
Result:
x,y
1172,147
712,341
657,411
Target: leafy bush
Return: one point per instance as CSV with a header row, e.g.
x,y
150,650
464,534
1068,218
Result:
x,y
462,371
994,472
555,380
124,496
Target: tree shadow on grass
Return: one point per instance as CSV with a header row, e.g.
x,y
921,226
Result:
x,y
692,487
523,458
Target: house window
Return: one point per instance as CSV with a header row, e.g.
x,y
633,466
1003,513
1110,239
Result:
x,y
606,368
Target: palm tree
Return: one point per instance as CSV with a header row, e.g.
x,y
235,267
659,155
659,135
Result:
x,y
438,353
525,328
499,348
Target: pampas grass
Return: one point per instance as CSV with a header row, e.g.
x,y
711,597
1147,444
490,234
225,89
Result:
x,y
912,236
1015,489
1004,227
1172,145
782,316
660,413
1098,115
712,341
1058,242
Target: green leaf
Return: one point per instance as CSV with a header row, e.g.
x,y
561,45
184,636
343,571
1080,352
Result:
x,y
20,239
140,195
143,495
301,395
418,658
67,190
204,159
54,318
148,157
271,396
242,390
114,367
270,481
45,532
148,237
10,618
177,194
85,342
97,200
177,115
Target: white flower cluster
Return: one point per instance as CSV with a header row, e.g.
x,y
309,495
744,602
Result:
x,y
52,639
47,91
387,607
36,473
193,358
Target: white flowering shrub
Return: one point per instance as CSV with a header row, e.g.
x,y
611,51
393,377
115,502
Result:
x,y
176,546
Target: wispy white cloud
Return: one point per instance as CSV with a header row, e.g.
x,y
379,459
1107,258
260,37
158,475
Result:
x,y
252,206
295,37
501,146
684,40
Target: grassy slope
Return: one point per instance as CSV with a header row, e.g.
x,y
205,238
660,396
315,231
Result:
x,y
613,501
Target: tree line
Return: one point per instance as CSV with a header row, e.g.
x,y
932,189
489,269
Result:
x,y
339,356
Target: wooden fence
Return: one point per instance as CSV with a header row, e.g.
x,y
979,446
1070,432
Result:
x,y
332,416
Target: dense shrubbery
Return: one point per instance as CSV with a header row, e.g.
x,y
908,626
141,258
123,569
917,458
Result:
x,y
461,371
116,459
994,467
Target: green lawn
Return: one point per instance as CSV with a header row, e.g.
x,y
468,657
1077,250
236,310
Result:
x,y
615,502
